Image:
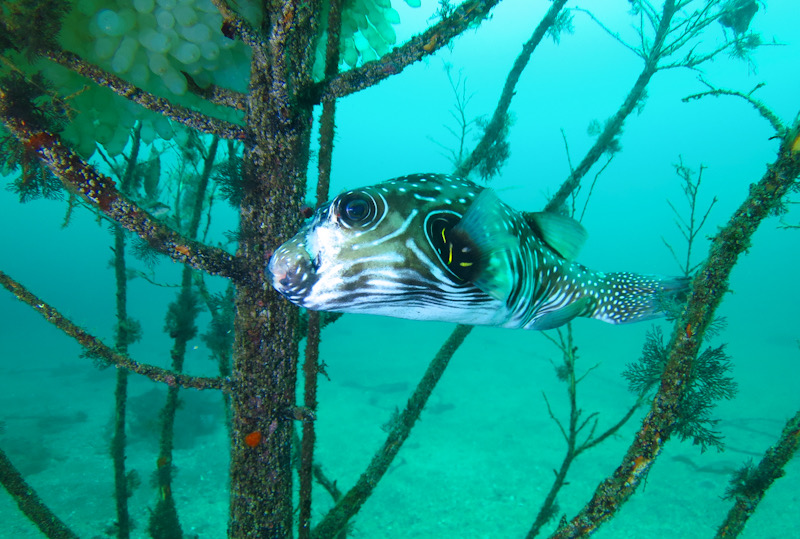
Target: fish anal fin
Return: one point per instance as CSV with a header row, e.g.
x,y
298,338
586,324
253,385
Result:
x,y
563,315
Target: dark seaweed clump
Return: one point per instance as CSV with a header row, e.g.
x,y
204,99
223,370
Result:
x,y
738,14
31,27
228,174
749,481
708,382
164,522
179,321
29,100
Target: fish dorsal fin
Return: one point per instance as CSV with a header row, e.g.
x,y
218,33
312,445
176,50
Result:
x,y
562,234
486,232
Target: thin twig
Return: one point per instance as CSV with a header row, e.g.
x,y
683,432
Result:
x,y
614,124
591,442
554,418
566,372
591,187
566,150
638,52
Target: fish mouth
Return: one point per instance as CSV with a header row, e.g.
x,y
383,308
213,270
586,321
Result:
x,y
292,272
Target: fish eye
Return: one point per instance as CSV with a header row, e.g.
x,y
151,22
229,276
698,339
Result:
x,y
356,209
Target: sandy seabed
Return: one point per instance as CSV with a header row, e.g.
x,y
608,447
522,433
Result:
x,y
478,464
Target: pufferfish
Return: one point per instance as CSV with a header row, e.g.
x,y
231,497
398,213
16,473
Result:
x,y
437,247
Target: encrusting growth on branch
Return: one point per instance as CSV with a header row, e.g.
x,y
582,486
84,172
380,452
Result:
x,y
762,109
424,44
30,503
495,127
217,95
706,294
177,113
101,192
751,482
311,365
233,25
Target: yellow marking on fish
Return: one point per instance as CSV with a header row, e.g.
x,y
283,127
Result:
x,y
450,256
465,264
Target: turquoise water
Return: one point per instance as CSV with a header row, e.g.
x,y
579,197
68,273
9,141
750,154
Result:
x,y
480,462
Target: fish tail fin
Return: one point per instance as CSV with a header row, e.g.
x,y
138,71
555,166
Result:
x,y
629,297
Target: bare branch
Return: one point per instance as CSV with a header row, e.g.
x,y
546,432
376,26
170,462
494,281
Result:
x,y
101,193
234,24
760,107
30,503
216,94
424,44
351,502
96,348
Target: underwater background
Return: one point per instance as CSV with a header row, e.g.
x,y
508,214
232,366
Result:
x,y
481,460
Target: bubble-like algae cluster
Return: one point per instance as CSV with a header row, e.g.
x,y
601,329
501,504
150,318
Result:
x,y
157,45
154,44
367,31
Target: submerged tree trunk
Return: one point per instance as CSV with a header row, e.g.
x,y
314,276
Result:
x,y
266,353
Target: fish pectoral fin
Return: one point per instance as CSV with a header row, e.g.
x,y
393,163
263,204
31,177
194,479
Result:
x,y
562,234
484,233
563,315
